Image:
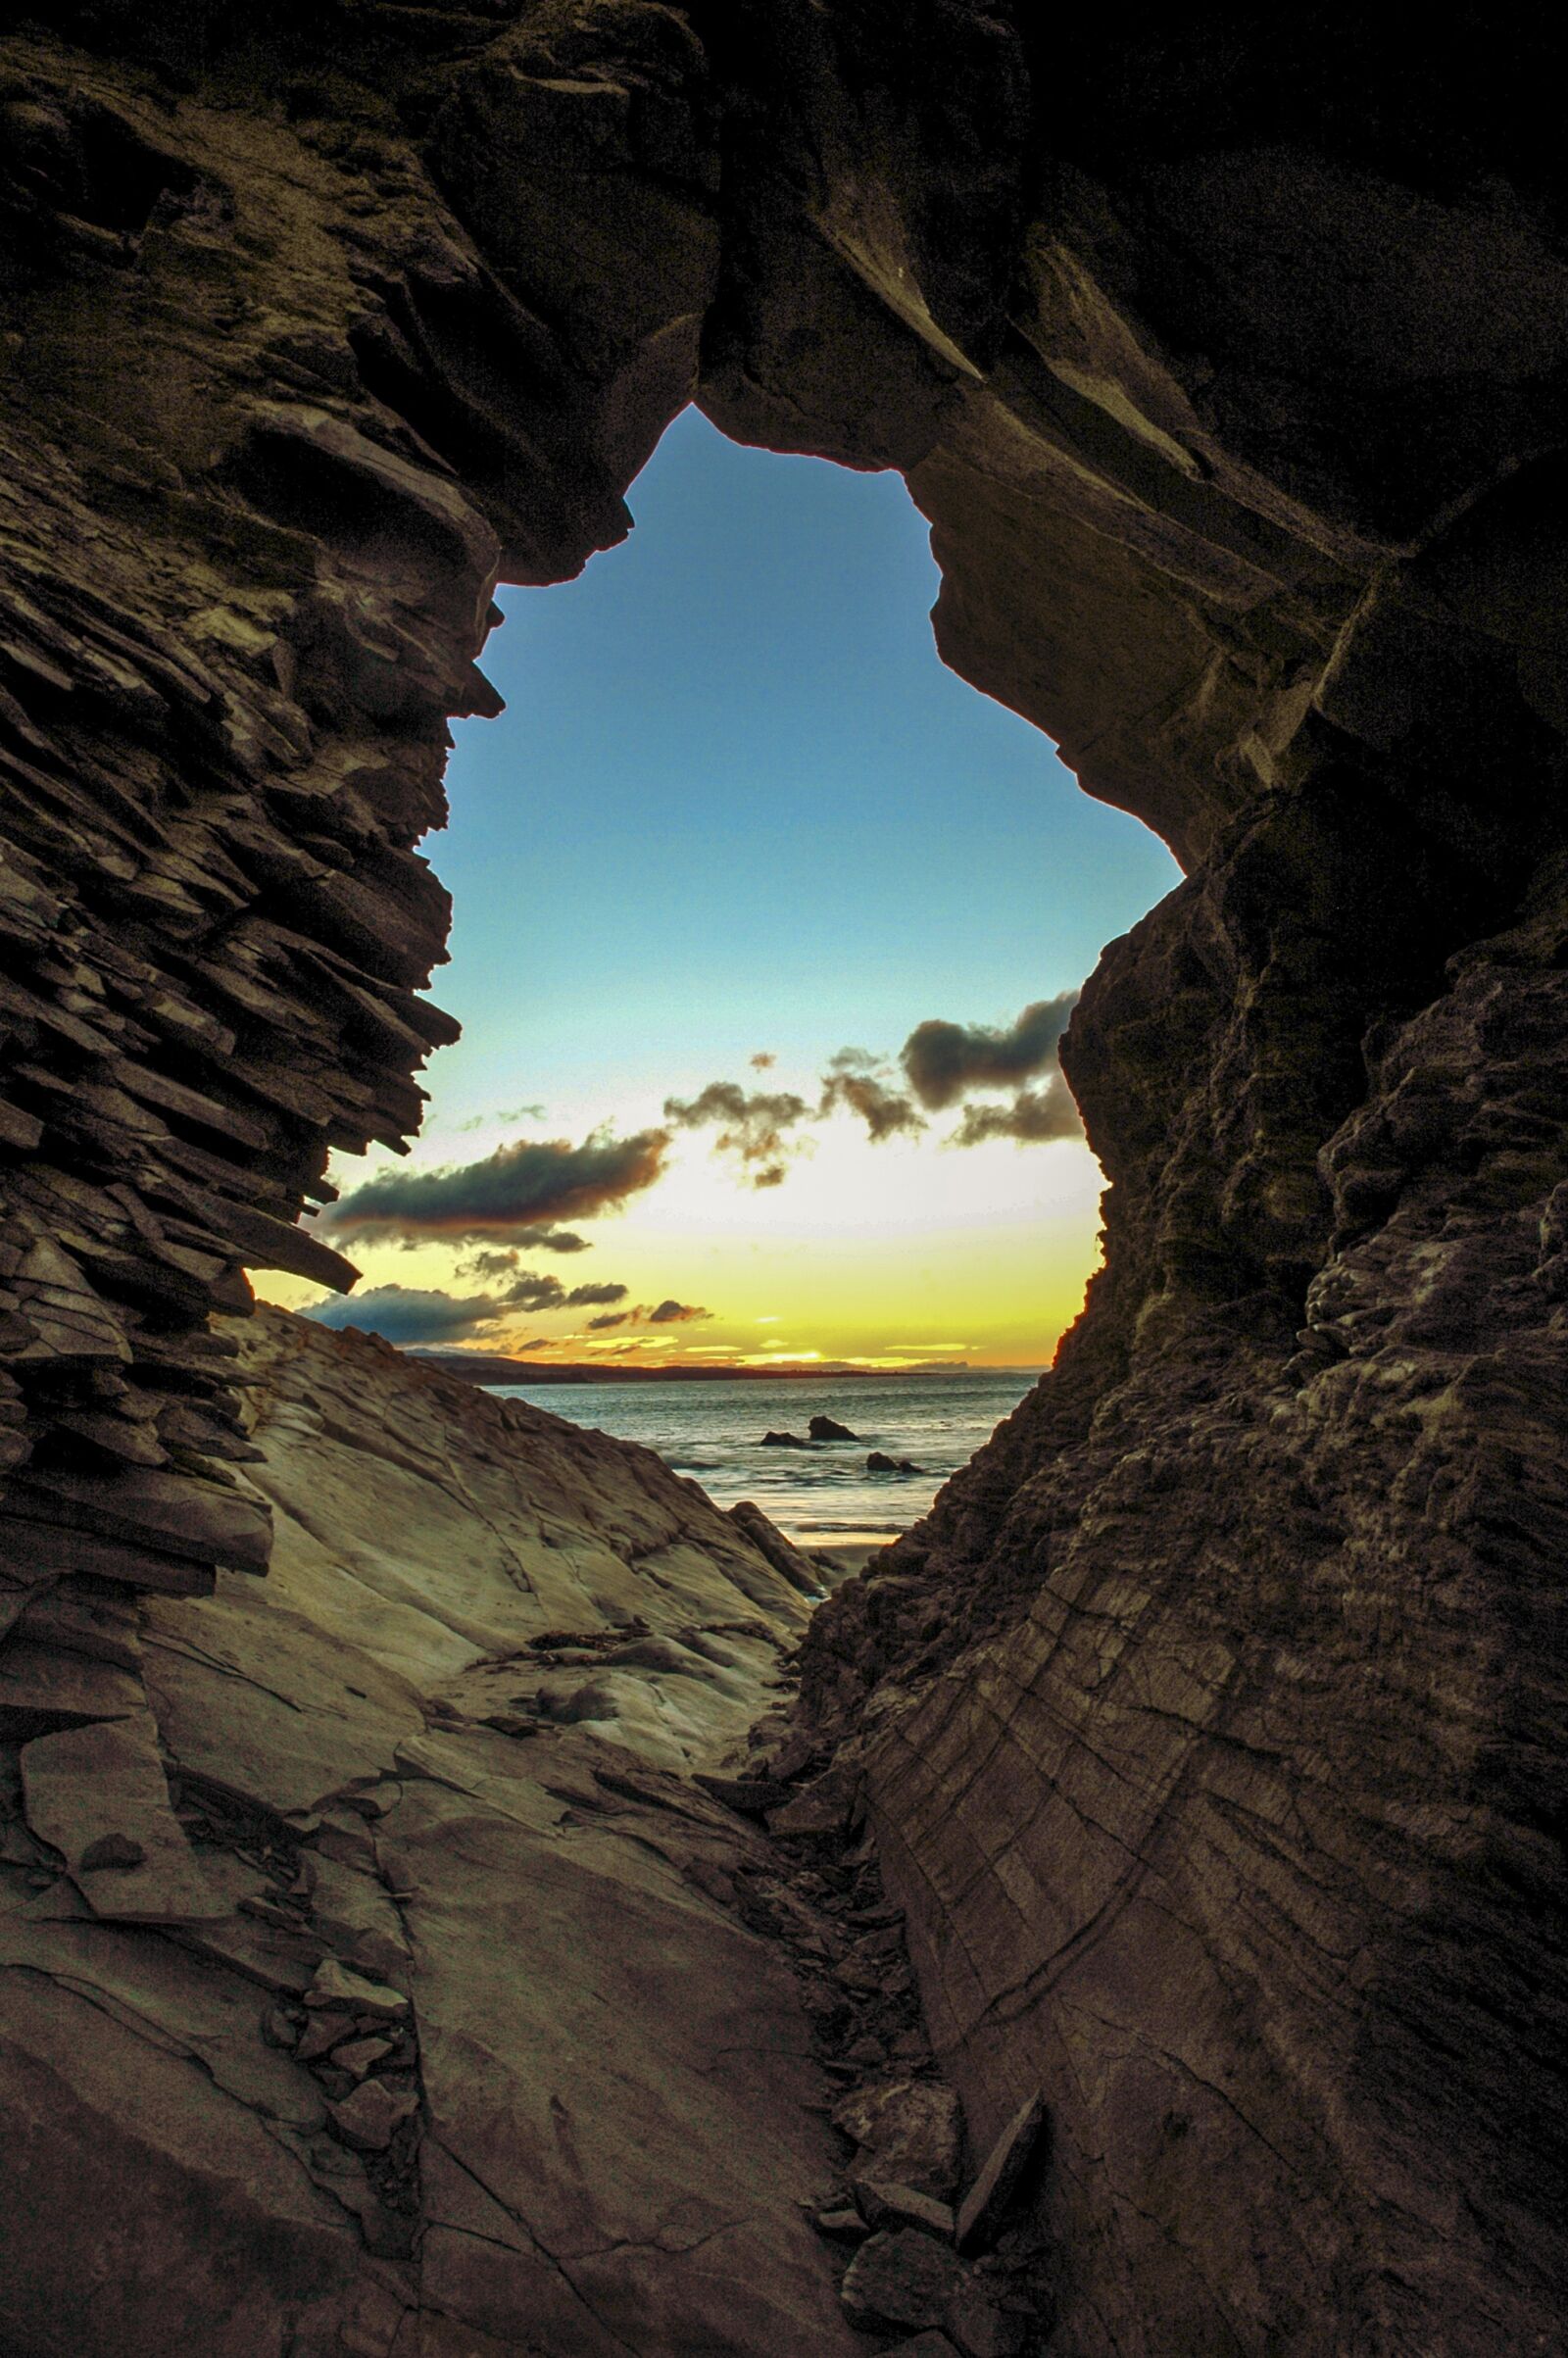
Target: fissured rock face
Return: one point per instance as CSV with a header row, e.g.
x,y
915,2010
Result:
x,y
1214,1722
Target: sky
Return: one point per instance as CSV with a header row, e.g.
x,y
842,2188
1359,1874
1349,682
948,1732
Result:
x,y
739,821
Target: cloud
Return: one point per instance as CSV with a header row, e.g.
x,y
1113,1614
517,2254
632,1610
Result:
x,y
600,1326
512,1113
535,1290
1034,1117
676,1314
754,1129
408,1313
487,1267
416,1315
763,1061
885,1112
946,1062
515,1196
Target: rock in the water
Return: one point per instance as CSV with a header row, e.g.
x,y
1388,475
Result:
x,y
900,2276
824,1427
985,2206
910,2132
784,1441
879,1462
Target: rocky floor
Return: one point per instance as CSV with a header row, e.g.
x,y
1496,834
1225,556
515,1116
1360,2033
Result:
x,y
443,1948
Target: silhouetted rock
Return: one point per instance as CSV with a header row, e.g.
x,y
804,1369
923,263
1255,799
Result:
x,y
823,1428
785,1440
879,1462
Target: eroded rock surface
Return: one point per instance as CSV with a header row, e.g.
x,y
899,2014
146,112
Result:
x,y
1213,1725
411,2019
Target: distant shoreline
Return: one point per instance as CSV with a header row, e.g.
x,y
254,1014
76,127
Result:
x,y
492,1367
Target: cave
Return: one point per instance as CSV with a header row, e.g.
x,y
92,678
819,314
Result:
x,y
1207,1737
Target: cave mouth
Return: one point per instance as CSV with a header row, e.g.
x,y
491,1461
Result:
x,y
737,826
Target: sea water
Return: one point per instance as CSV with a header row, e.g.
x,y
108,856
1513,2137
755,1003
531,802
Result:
x,y
823,1496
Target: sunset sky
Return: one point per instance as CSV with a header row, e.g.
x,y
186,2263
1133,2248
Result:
x,y
737,820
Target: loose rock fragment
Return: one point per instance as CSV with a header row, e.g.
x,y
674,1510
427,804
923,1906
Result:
x,y
981,2213
359,2055
373,2115
885,2203
841,2226
913,2127
337,1984
902,2277
820,1808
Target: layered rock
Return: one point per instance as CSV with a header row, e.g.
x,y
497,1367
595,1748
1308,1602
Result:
x,y
1214,1719
362,1962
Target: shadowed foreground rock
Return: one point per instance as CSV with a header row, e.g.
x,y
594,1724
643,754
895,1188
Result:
x,y
1212,1726
426,2017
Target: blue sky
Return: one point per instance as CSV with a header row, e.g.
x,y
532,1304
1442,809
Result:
x,y
738,802
737,805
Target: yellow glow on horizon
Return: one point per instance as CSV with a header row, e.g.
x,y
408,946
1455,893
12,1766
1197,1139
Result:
x,y
876,1249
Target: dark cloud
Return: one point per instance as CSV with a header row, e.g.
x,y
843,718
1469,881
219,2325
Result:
x,y
514,1197
676,1314
1034,1117
753,1128
602,1326
408,1313
414,1314
885,1112
946,1062
540,1290
535,1290
487,1267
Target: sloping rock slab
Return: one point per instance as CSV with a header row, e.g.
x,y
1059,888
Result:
x,y
98,1796
616,2077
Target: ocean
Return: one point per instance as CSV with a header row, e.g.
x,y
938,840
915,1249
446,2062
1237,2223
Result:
x,y
822,1495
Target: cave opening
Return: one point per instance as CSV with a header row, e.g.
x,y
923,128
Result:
x,y
737,835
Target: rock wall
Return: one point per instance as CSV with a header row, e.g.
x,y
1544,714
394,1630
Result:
x,y
1214,1720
